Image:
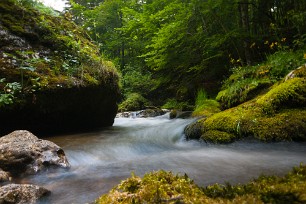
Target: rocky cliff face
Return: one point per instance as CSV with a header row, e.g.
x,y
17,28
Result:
x,y
51,74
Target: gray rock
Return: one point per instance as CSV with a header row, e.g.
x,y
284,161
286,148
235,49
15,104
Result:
x,y
151,112
21,193
193,130
21,152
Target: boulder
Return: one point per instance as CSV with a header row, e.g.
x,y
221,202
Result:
x,y
151,112
21,152
61,83
22,193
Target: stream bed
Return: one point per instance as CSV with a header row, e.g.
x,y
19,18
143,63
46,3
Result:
x,y
101,159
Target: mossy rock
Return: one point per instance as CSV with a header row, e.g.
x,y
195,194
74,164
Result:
x,y
265,189
166,187
194,130
291,93
66,85
216,136
134,102
287,125
156,187
207,108
278,115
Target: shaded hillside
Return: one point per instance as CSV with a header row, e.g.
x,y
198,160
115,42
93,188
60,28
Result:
x,y
52,78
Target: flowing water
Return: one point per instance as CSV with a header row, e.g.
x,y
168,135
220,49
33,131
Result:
x,y
100,160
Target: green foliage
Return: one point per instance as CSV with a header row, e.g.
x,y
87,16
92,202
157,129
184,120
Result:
x,y
193,43
133,80
201,97
9,92
177,105
66,56
218,137
133,102
276,115
29,4
291,93
205,106
246,82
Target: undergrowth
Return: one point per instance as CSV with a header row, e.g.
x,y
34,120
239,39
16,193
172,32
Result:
x,y
247,82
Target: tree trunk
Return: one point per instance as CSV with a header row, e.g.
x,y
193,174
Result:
x,y
245,25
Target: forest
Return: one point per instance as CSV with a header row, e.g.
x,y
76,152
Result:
x,y
168,51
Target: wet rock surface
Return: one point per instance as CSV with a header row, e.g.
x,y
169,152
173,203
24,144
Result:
x,y
150,112
21,152
4,176
22,193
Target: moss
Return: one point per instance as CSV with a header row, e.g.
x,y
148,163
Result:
x,y
133,102
289,124
248,120
207,108
247,82
291,93
156,187
165,187
66,47
265,189
278,115
217,136
60,71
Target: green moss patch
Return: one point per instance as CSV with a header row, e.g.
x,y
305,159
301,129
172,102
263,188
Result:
x,y
207,108
291,93
217,136
165,187
156,187
265,189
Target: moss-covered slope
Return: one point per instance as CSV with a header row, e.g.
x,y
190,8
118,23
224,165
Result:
x,y
277,115
61,81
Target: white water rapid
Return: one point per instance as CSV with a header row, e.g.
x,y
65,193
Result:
x,y
100,160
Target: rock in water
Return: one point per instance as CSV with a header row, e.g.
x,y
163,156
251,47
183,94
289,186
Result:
x,y
21,152
21,193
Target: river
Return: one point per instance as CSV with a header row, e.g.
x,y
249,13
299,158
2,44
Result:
x,y
101,159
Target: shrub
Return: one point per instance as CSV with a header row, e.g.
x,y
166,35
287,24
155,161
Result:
x,y
177,105
133,102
